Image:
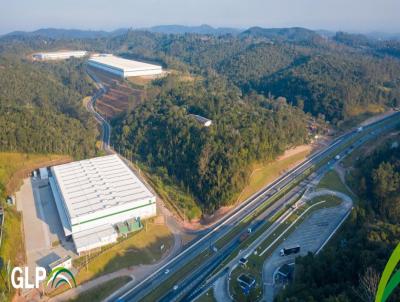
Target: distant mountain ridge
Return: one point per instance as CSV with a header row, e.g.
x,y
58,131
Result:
x,y
289,34
59,33
202,29
292,34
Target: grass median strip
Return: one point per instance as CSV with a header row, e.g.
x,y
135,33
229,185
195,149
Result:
x,y
159,291
102,291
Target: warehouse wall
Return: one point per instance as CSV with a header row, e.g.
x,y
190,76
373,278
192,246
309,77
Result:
x,y
144,212
110,69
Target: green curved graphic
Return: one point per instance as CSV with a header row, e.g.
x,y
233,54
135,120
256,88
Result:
x,y
390,287
60,282
58,271
387,284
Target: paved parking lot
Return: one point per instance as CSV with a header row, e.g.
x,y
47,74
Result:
x,y
43,234
310,235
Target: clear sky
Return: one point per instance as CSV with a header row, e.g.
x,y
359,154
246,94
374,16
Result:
x,y
348,15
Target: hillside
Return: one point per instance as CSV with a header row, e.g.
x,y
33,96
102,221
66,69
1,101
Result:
x,y
320,75
41,110
259,88
293,34
211,163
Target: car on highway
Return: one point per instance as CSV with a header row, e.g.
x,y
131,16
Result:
x,y
166,271
175,287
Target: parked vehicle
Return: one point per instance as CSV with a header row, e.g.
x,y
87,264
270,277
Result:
x,y
291,250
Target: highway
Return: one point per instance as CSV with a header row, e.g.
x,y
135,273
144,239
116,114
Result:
x,y
197,286
224,225
144,287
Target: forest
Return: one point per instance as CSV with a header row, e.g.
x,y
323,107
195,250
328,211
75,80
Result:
x,y
325,77
349,268
41,108
261,88
211,162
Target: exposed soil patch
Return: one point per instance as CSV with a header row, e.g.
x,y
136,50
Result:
x,y
120,96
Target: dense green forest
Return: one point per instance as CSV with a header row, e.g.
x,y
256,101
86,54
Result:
x,y
328,79
211,162
255,86
324,77
337,78
349,269
41,108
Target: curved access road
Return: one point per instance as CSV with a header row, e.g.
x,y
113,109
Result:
x,y
312,235
106,128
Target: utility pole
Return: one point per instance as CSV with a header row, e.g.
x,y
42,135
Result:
x,y
87,262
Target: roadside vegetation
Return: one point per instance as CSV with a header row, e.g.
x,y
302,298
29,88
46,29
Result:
x,y
14,167
146,246
264,174
332,181
143,247
102,291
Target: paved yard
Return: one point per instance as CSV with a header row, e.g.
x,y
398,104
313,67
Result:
x,y
310,235
42,227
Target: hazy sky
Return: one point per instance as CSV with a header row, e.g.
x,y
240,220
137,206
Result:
x,y
349,15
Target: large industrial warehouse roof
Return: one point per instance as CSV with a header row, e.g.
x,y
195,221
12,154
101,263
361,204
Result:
x,y
121,63
97,184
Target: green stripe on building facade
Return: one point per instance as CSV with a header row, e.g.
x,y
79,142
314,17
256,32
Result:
x,y
145,205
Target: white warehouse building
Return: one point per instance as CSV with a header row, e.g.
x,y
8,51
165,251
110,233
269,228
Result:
x,y
59,55
94,195
123,68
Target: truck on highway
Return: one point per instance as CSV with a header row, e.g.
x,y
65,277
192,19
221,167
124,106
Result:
x,y
289,250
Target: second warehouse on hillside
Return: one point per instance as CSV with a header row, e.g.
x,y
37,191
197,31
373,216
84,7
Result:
x,y
123,67
94,196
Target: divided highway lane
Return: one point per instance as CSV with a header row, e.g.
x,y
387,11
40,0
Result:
x,y
193,284
144,287
221,229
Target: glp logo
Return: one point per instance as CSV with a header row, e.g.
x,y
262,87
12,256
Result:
x,y
389,281
63,275
57,277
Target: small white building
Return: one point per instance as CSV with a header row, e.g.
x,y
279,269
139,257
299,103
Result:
x,y
123,68
94,195
65,262
59,55
202,120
